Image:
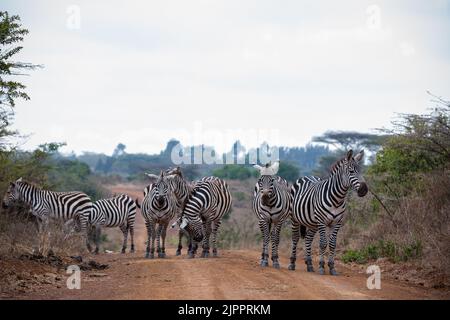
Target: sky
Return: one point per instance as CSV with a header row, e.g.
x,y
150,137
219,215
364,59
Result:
x,y
203,71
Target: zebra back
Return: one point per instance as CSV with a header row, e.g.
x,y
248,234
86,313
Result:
x,y
114,212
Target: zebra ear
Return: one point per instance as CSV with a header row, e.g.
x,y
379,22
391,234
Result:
x,y
359,156
19,180
349,154
184,223
153,177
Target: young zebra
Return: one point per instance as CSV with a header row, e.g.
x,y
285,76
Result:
x,y
158,207
46,205
271,204
319,204
203,212
119,211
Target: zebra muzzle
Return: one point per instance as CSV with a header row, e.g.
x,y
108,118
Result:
x,y
363,189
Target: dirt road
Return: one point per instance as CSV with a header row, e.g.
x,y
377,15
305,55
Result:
x,y
234,275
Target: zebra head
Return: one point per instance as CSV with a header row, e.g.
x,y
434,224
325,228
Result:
x,y
265,188
12,194
193,226
161,191
351,164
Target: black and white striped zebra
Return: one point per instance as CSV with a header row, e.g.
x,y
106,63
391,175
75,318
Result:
x,y
320,204
158,208
118,211
271,204
203,212
182,189
46,205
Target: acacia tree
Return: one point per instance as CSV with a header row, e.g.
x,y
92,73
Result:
x,y
11,34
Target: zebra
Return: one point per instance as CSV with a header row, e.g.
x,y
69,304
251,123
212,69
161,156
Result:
x,y
158,207
46,204
271,204
319,204
118,211
202,214
182,189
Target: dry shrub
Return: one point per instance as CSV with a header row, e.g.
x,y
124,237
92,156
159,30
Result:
x,y
417,228
19,235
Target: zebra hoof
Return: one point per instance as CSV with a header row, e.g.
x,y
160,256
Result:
x,y
309,268
333,272
132,251
205,254
264,263
291,267
161,255
321,271
215,254
191,256
276,265
178,253
123,250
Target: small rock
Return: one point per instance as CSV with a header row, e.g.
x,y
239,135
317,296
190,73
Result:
x,y
98,275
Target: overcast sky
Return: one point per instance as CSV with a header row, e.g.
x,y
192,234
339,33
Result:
x,y
142,72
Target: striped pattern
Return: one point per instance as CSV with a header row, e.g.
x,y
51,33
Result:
x,y
271,204
320,204
119,211
203,212
182,189
45,204
159,207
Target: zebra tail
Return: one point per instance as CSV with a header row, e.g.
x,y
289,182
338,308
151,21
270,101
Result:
x,y
302,231
137,203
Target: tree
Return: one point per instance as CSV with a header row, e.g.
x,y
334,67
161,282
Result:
x,y
289,171
346,140
119,150
11,33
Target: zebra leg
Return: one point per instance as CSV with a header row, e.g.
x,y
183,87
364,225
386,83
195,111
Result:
x,y
214,236
180,243
124,229
208,230
265,229
275,242
332,245
158,238
310,233
150,232
295,238
323,247
162,252
132,238
98,233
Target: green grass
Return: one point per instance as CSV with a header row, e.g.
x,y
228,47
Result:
x,y
384,249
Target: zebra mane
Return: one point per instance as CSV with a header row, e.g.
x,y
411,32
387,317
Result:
x,y
336,164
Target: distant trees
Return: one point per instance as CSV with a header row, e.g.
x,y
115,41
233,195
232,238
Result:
x,y
345,140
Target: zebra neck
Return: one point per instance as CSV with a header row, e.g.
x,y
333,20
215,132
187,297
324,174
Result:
x,y
32,195
339,185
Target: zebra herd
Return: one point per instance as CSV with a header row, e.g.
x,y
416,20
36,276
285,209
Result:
x,y
312,204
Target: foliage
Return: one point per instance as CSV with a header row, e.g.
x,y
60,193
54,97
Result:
x,y
393,251
289,171
234,172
